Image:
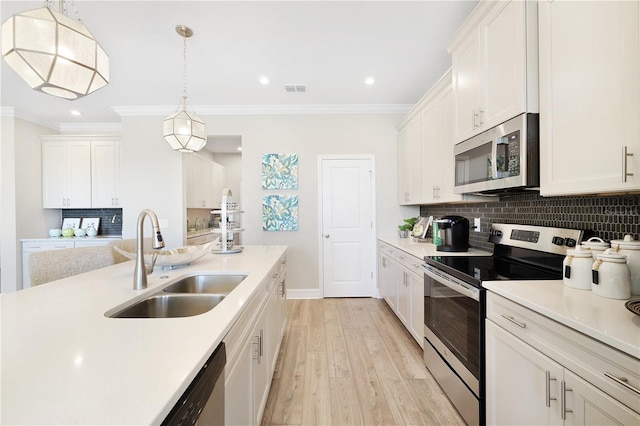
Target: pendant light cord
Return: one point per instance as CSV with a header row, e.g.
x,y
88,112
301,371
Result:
x,y
184,73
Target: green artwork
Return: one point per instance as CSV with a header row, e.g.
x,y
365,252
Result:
x,y
279,171
280,213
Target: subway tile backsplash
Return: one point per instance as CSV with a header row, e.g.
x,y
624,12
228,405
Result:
x,y
610,217
110,219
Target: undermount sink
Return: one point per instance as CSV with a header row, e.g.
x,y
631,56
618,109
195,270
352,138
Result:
x,y
171,306
207,284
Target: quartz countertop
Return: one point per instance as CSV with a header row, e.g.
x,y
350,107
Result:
x,y
64,362
422,249
606,320
85,238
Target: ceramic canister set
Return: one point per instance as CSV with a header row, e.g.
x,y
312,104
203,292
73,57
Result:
x,y
611,271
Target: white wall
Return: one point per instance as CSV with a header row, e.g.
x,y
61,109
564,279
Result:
x,y
151,176
233,168
309,136
8,244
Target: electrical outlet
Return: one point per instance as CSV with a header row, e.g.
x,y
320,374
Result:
x,y
476,224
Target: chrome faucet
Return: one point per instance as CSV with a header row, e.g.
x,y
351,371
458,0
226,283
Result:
x,y
140,273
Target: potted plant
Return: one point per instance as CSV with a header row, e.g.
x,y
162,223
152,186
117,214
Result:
x,y
407,226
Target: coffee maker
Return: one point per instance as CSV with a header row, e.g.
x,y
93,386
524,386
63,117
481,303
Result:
x,y
453,233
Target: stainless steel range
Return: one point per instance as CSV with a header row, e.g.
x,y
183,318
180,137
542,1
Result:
x,y
454,304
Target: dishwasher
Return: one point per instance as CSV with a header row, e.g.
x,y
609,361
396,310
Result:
x,y
203,401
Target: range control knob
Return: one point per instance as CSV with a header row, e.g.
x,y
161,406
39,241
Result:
x,y
559,241
570,242
495,233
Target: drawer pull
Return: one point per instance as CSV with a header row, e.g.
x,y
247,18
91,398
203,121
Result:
x,y
563,402
622,381
548,380
513,320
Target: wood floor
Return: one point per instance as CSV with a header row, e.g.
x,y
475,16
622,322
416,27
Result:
x,y
351,362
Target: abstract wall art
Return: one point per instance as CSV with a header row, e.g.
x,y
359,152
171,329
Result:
x,y
280,213
279,171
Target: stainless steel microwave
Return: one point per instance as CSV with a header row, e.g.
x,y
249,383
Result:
x,y
504,158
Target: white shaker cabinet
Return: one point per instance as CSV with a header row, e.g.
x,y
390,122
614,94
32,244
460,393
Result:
x,y
205,181
541,372
438,166
495,67
409,167
66,174
589,97
105,174
387,274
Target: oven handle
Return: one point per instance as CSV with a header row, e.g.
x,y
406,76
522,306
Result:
x,y
453,284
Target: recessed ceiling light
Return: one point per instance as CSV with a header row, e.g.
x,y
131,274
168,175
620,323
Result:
x,y
239,148
369,81
76,113
264,80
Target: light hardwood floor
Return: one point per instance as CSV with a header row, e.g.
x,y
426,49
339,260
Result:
x,y
351,362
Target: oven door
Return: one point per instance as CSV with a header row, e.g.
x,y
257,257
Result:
x,y
452,318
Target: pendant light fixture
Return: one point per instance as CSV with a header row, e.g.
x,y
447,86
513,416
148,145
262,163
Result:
x,y
54,53
185,131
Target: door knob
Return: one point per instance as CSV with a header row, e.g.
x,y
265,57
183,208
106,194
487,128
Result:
x,y
326,235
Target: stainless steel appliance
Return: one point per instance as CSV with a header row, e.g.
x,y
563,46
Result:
x,y
505,157
203,401
454,304
453,233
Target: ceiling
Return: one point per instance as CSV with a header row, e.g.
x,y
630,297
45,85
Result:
x,y
330,46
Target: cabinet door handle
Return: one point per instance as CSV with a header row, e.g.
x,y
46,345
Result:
x,y
513,320
474,114
548,380
480,115
261,340
625,166
623,381
563,400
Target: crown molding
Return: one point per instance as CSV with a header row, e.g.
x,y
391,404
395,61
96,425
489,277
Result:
x,y
266,109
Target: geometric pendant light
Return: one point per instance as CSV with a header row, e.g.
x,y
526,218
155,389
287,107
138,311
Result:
x,y
184,131
53,53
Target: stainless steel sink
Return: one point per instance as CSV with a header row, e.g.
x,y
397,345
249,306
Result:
x,y
171,306
208,284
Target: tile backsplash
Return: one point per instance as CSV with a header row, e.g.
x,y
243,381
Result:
x,y
610,217
110,219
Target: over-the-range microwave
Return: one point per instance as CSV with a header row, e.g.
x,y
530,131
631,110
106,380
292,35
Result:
x,y
506,157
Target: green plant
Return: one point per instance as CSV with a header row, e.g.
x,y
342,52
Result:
x,y
408,224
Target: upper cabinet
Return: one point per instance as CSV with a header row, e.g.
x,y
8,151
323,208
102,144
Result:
x,y
66,174
495,66
80,172
205,181
105,173
589,97
409,166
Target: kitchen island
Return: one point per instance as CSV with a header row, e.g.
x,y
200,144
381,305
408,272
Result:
x,y
64,362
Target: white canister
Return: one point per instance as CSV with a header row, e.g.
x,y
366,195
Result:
x,y
630,248
611,276
596,245
576,268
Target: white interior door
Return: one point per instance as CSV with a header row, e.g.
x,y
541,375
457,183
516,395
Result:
x,y
347,215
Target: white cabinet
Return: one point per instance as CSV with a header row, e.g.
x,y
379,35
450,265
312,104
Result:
x,y
252,350
541,372
494,59
105,174
438,167
66,174
387,274
409,166
205,181
590,98
80,172
401,283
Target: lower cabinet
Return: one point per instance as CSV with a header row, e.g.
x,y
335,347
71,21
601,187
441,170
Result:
x,y
401,283
526,386
252,350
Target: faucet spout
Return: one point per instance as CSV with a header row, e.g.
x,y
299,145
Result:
x,y
140,272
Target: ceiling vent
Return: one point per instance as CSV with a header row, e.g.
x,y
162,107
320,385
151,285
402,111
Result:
x,y
292,88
